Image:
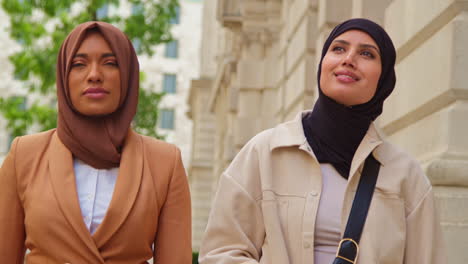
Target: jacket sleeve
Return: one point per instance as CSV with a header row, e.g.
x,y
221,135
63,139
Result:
x,y
424,241
173,243
12,231
235,230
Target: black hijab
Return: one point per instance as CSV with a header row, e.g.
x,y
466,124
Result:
x,y
334,131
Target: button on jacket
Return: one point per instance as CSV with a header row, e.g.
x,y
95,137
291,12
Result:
x,y
39,207
266,204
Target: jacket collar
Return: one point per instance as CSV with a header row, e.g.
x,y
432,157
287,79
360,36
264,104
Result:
x,y
124,195
291,134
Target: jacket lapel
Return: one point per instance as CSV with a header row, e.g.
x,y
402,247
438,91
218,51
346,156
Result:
x,y
126,189
63,183
368,144
370,141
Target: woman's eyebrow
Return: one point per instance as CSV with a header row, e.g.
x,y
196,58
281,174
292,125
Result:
x,y
84,55
342,41
81,55
105,55
370,47
360,45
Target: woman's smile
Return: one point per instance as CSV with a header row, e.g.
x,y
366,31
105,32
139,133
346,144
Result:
x,y
346,76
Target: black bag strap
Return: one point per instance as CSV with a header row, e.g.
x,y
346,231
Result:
x,y
348,249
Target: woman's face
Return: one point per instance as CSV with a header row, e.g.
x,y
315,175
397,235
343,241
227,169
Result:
x,y
94,78
351,68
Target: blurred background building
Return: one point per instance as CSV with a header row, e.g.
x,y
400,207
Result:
x,y
170,70
9,86
258,68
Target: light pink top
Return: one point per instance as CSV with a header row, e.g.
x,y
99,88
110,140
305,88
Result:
x,y
328,222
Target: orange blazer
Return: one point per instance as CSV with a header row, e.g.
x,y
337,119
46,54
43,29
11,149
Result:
x,y
40,211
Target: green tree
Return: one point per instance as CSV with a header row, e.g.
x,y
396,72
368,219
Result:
x,y
40,26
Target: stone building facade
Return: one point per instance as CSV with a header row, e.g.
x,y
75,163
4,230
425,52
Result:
x,y
259,64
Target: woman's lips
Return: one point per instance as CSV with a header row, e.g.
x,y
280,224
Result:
x,y
95,93
346,76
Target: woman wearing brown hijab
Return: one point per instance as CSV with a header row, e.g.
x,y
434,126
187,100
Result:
x,y
93,190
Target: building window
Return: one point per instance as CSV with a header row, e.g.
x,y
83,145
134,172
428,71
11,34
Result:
x,y
167,119
20,74
102,12
10,141
170,83
176,19
137,9
136,42
21,41
172,49
21,101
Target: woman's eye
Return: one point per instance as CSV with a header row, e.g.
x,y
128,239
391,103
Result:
x,y
368,54
338,49
112,63
77,64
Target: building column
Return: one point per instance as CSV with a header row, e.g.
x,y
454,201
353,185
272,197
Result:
x,y
426,115
201,166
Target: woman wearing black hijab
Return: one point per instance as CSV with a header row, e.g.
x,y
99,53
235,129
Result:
x,y
287,195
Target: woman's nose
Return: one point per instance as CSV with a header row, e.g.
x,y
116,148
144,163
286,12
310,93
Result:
x,y
94,74
348,60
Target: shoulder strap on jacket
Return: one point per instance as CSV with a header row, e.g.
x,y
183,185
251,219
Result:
x,y
348,248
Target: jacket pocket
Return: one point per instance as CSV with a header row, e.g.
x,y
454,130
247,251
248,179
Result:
x,y
275,212
283,218
383,237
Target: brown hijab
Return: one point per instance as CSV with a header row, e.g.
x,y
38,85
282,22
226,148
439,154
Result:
x,y
97,140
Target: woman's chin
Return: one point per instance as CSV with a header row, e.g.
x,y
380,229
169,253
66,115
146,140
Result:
x,y
96,112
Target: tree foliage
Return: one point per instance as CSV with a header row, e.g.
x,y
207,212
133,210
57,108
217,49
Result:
x,y
40,26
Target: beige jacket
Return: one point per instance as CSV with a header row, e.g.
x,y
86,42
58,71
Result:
x,y
266,204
